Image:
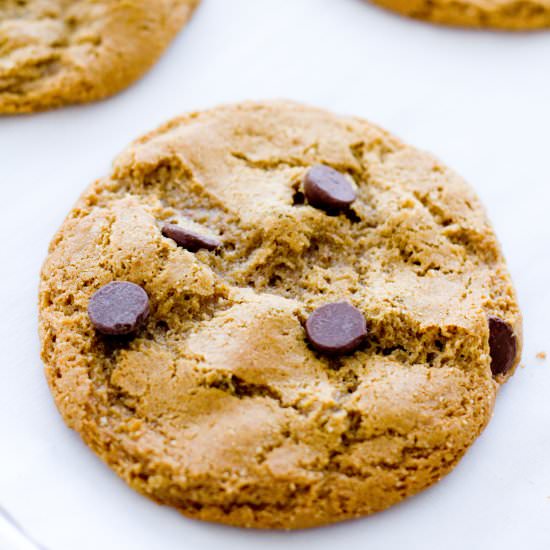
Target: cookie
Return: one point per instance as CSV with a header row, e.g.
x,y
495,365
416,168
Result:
x,y
58,52
498,14
334,345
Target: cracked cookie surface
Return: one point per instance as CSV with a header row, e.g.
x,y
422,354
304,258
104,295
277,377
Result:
x,y
498,14
57,52
217,405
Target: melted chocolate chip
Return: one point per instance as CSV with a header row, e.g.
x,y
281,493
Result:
x,y
119,307
336,328
503,345
189,239
328,189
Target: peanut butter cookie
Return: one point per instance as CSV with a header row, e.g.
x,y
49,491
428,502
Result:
x,y
271,316
498,14
56,52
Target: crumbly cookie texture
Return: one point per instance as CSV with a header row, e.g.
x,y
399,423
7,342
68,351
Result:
x,y
57,52
217,405
498,14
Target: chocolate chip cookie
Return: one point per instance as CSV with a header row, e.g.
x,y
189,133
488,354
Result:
x,y
498,14
271,316
56,52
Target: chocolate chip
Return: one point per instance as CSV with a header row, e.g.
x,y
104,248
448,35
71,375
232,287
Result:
x,y
328,189
118,308
336,328
189,239
503,345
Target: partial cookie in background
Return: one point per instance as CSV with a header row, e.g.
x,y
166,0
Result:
x,y
58,52
316,317
498,14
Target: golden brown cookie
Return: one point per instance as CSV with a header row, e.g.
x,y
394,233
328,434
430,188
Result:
x,y
326,321
498,14
57,52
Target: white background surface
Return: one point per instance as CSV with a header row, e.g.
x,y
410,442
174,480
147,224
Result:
x,y
478,100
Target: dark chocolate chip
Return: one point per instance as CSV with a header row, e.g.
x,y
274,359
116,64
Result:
x,y
336,328
328,189
119,307
503,345
189,239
